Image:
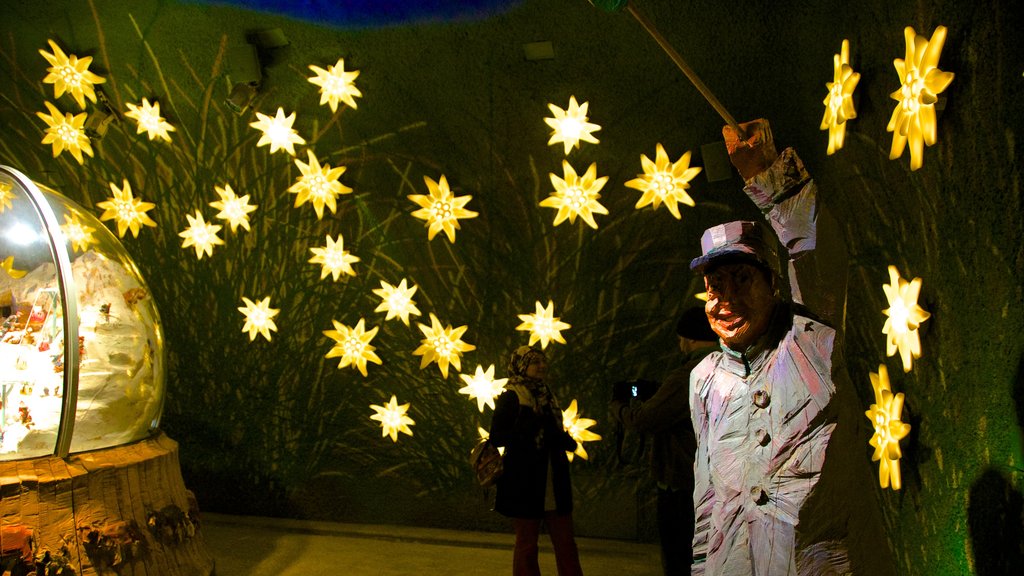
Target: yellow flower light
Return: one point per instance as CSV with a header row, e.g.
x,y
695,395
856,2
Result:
x,y
77,232
129,212
393,418
352,345
442,344
839,101
65,132
232,208
318,185
6,196
483,386
904,318
259,317
569,126
441,209
7,265
70,74
334,258
576,196
913,119
150,121
277,132
885,415
336,84
577,428
543,325
201,235
664,181
397,301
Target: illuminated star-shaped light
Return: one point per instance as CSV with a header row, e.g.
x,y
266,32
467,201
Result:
x,y
336,84
70,74
259,317
441,209
885,415
393,419
570,126
277,132
397,301
7,265
6,196
483,386
839,101
79,234
904,318
65,132
577,428
576,196
334,258
128,211
234,209
318,185
442,344
664,181
352,345
543,325
201,235
149,119
913,120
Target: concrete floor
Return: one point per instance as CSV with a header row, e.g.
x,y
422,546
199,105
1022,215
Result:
x,y
254,546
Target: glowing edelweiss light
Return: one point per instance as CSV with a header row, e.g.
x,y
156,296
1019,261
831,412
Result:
x,y
201,235
576,196
839,101
77,233
149,119
70,74
483,386
259,317
393,419
278,132
65,132
318,184
334,258
543,325
233,209
6,196
577,428
442,344
570,126
913,120
397,301
336,84
664,181
885,415
352,345
7,265
441,209
128,211
904,318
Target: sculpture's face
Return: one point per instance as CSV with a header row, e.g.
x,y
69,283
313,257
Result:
x,y
740,303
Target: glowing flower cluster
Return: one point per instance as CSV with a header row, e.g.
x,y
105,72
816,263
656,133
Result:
x,y
578,428
442,344
393,418
352,345
336,84
277,132
65,132
839,101
913,119
149,119
664,181
575,195
904,318
397,301
483,386
318,185
543,325
569,126
441,209
334,258
232,208
70,74
259,317
201,235
77,232
885,416
6,196
129,212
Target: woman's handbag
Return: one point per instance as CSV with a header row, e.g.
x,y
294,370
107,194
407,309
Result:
x,y
487,463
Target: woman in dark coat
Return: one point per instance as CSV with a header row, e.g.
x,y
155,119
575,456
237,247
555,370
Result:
x,y
535,485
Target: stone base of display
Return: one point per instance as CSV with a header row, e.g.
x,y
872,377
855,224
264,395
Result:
x,y
122,510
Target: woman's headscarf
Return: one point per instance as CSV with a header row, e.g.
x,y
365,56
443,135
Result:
x,y
517,364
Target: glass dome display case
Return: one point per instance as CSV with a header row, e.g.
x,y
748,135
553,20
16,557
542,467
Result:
x,y
81,344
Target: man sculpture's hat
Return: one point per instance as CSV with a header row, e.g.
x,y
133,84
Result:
x,y
741,240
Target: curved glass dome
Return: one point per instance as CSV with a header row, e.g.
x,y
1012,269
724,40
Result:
x,y
81,344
